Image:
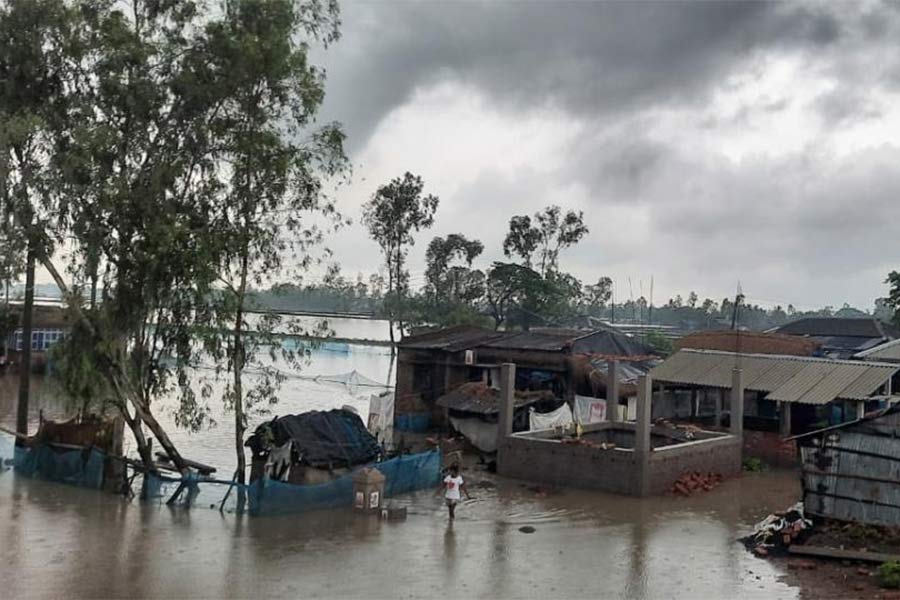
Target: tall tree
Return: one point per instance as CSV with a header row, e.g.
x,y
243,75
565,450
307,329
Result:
x,y
893,298
547,235
449,282
397,211
597,295
274,183
34,42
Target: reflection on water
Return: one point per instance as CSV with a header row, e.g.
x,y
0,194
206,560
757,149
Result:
x,y
215,445
62,541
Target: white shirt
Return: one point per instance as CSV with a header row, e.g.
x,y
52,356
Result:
x,y
451,487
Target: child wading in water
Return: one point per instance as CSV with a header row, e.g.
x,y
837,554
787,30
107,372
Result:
x,y
452,485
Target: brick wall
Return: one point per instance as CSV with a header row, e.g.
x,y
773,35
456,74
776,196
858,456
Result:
x,y
615,470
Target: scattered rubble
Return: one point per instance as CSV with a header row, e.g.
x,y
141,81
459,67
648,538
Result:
x,y
694,481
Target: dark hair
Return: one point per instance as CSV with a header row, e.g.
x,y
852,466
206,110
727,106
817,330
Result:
x,y
454,468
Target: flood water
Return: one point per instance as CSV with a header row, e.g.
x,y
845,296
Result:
x,y
61,541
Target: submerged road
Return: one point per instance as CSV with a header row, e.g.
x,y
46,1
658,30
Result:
x,y
63,542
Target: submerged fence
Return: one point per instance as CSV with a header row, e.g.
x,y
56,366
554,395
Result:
x,y
85,468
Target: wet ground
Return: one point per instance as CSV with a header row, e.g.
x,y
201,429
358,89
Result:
x,y
60,541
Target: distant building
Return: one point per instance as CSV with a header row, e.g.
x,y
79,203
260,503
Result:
x,y
841,337
49,325
432,364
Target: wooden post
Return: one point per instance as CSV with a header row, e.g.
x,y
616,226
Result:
x,y
612,391
861,409
642,432
737,402
695,402
507,402
784,418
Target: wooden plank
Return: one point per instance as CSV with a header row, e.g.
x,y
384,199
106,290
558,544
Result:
x,y
826,552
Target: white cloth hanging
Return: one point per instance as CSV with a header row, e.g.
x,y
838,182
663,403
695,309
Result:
x,y
560,416
381,418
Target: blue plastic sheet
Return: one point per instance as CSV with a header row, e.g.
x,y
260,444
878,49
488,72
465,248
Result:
x,y
414,422
403,474
76,467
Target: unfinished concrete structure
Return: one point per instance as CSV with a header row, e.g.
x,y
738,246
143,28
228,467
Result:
x,y
631,458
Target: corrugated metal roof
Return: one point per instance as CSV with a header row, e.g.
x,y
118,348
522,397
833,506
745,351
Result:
x,y
804,382
869,381
787,378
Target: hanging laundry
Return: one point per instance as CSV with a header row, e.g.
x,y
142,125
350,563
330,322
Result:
x,y
560,416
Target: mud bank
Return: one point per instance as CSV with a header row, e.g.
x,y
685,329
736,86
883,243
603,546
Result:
x,y
65,542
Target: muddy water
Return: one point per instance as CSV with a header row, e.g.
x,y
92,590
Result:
x,y
60,541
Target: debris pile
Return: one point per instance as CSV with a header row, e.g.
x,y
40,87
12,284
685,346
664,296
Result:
x,y
778,531
695,481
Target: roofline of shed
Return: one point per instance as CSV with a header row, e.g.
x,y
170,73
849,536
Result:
x,y
874,349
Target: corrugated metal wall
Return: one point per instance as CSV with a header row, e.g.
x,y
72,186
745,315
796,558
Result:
x,y
853,473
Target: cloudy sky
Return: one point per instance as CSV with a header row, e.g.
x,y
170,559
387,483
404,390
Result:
x,y
706,142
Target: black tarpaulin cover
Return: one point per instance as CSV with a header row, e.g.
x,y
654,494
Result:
x,y
332,438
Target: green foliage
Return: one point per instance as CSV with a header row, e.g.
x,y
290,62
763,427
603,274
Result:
x,y
754,465
893,299
137,133
888,574
659,342
397,211
548,234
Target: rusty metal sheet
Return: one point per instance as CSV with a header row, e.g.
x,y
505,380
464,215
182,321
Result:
x,y
853,475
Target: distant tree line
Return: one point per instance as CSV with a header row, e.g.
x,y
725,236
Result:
x,y
529,289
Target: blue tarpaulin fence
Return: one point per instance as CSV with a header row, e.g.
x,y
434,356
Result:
x,y
403,474
83,468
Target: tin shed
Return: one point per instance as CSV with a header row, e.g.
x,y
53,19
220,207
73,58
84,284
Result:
x,y
851,471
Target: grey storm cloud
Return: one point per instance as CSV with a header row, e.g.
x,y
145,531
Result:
x,y
802,224
585,57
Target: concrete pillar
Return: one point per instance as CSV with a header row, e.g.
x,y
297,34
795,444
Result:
x,y
642,433
718,400
860,409
737,402
612,391
507,401
784,419
695,402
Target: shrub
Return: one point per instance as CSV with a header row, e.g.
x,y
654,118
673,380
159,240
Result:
x,y
754,465
889,574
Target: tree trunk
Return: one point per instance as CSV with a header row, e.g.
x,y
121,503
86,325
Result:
x,y
390,309
125,393
238,364
25,355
